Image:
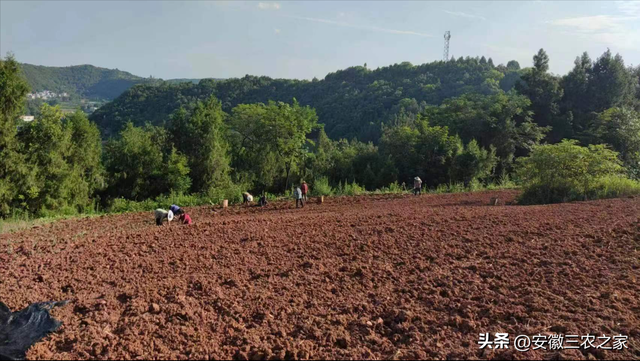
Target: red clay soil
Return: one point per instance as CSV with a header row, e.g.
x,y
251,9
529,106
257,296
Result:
x,y
368,277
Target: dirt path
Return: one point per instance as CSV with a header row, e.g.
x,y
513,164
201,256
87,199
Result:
x,y
365,277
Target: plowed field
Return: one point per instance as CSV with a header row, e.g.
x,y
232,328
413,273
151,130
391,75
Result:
x,y
366,277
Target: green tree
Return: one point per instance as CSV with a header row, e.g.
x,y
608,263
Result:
x,y
545,93
86,150
201,135
611,84
273,137
15,176
141,164
620,128
474,163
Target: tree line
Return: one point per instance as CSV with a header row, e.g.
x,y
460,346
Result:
x,y
469,125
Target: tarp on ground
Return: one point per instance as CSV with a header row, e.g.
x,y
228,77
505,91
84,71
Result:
x,y
20,330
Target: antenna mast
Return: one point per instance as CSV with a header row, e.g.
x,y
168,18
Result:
x,y
447,36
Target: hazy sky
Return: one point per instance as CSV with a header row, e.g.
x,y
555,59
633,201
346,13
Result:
x,y
197,39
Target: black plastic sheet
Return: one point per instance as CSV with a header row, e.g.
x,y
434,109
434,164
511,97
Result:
x,y
20,330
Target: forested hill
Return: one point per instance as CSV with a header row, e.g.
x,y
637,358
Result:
x,y
351,102
84,81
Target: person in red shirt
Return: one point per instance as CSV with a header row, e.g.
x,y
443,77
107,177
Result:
x,y
185,219
305,189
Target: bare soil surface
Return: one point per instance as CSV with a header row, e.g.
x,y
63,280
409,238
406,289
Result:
x,y
372,277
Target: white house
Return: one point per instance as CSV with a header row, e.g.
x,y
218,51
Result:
x,y
27,118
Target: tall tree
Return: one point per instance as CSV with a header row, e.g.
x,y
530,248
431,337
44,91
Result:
x,y
545,93
201,135
620,128
142,165
14,174
611,84
272,137
575,101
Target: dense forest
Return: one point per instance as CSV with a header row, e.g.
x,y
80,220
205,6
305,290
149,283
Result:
x,y
354,102
465,121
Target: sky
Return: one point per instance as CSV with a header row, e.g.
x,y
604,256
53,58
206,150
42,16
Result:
x,y
306,39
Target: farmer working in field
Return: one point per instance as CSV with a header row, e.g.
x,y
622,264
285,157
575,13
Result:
x,y
161,215
176,210
297,194
417,185
305,189
184,218
263,200
247,198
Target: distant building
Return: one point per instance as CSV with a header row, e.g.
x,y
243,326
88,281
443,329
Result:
x,y
27,118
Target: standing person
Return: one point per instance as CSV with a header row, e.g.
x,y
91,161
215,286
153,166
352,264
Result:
x,y
297,194
247,198
305,189
417,185
161,215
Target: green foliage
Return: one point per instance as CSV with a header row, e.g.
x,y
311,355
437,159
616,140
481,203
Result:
x,y
620,128
201,136
565,172
545,93
349,189
14,174
501,120
321,187
474,164
83,80
393,188
269,141
141,165
353,102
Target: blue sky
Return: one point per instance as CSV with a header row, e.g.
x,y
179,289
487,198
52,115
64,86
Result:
x,y
286,39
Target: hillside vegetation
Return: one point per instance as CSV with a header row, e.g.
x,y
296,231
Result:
x,y
350,103
85,81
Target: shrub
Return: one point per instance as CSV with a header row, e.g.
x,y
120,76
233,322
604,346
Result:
x,y
392,188
566,172
321,187
347,189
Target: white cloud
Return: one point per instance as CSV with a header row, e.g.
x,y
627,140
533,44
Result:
x,y
362,27
595,23
269,6
631,8
612,30
340,15
465,15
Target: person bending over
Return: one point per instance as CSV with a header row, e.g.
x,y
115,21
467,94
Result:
x,y
161,215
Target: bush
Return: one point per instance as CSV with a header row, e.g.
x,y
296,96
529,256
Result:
x,y
615,186
394,188
347,189
321,187
566,172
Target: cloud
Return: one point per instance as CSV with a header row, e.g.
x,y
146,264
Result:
x,y
269,6
340,15
595,23
631,8
464,15
613,30
362,27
